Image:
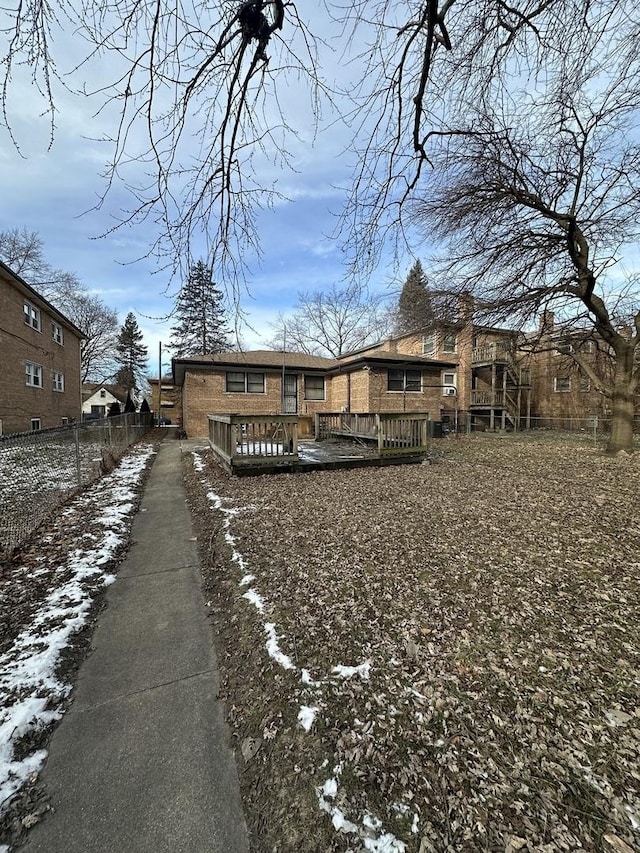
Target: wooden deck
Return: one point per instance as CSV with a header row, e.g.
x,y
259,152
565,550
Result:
x,y
259,444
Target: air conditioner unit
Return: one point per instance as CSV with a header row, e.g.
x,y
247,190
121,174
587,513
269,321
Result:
x,y
450,392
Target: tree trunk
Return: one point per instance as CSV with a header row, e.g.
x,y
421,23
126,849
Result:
x,y
623,404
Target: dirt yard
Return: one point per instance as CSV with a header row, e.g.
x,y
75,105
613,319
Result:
x,y
438,657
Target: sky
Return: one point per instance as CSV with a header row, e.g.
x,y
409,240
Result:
x,y
54,189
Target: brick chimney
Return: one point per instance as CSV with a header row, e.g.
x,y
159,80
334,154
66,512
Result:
x,y
546,321
465,307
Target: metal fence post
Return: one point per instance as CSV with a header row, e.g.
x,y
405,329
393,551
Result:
x,y
76,437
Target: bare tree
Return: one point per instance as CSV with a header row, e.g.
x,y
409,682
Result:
x,y
334,321
217,74
99,323
538,204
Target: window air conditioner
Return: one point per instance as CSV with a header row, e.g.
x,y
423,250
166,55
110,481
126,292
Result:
x,y
450,392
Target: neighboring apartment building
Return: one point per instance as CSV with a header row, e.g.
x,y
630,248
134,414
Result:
x,y
166,401
39,360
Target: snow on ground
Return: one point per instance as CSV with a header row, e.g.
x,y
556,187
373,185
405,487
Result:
x,y
32,693
368,828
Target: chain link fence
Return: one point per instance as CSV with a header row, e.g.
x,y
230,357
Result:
x,y
40,470
594,429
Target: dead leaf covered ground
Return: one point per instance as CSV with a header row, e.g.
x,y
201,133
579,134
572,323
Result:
x,y
435,657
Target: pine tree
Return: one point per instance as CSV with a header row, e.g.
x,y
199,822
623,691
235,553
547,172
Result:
x,y
200,328
129,405
415,309
131,355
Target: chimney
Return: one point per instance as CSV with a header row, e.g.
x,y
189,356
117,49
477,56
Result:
x,y
392,345
465,307
546,321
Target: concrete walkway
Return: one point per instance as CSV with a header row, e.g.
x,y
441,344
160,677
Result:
x,y
141,761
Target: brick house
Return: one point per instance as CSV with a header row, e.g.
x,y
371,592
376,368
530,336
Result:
x,y
40,358
266,382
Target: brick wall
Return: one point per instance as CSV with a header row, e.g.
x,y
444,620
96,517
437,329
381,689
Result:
x,y
19,344
205,393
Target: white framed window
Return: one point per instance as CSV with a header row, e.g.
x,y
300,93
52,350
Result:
x,y
429,344
585,383
33,374
32,316
449,342
35,424
313,387
449,383
65,421
564,348
562,384
404,380
58,381
57,334
239,382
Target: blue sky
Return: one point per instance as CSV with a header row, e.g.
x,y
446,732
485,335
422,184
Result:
x,y
53,191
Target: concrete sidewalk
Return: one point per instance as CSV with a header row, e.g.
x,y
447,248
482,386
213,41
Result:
x,y
141,761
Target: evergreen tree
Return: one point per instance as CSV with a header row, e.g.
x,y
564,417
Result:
x,y
200,328
144,407
129,405
131,355
415,309
114,409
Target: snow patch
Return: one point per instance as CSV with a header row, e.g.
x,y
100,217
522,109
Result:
x,y
347,672
306,716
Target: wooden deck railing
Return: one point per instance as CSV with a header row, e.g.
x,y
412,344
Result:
x,y
346,423
393,433
254,439
403,434
491,352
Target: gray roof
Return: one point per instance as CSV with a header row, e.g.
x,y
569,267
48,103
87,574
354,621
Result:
x,y
274,359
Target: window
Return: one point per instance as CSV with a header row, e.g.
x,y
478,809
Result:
x,y
564,348
404,380
313,387
58,381
65,421
585,383
33,373
245,383
35,424
449,379
586,347
103,393
449,343
32,316
562,383
429,344
57,334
